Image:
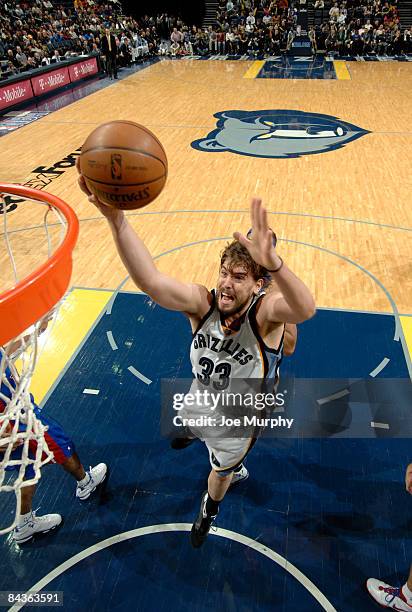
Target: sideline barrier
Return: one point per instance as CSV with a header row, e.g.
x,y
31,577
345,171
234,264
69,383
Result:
x,y
39,82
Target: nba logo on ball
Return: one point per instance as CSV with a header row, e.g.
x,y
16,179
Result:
x,y
117,167
124,164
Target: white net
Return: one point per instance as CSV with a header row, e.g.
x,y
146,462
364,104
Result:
x,y
28,239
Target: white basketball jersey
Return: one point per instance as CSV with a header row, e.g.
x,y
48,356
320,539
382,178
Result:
x,y
217,357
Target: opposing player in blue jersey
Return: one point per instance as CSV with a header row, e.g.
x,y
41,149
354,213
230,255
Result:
x,y
244,329
64,453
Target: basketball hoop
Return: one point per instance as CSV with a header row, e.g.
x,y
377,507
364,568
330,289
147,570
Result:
x,y
26,307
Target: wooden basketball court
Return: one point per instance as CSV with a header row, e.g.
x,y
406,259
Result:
x,y
343,218
347,204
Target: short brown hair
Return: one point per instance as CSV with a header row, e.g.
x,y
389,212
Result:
x,y
239,256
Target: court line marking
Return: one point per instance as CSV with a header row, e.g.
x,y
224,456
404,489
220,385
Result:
x,y
379,367
253,71
170,527
240,211
111,340
139,375
379,425
341,70
337,395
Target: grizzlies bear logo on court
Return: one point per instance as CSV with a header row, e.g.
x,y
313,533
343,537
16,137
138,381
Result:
x,y
277,133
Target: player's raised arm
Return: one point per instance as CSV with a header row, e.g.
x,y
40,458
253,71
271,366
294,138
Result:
x,y
165,290
295,303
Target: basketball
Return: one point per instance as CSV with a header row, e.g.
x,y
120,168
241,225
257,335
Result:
x,y
123,164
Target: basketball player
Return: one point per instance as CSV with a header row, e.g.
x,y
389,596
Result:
x,y
236,314
396,598
63,451
241,472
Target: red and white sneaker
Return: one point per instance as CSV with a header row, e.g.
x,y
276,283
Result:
x,y
387,596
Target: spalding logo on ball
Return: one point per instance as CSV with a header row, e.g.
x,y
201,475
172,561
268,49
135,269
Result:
x,y
123,164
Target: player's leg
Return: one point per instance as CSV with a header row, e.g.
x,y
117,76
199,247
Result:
x,y
396,598
64,454
224,452
218,484
26,501
28,524
74,466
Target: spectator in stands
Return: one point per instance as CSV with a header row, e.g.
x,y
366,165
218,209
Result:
x,y
55,57
125,52
243,41
230,42
290,38
221,42
176,36
250,19
12,60
407,40
21,58
334,12
163,48
212,39
174,48
109,51
312,38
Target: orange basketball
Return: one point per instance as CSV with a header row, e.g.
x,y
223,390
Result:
x,y
123,164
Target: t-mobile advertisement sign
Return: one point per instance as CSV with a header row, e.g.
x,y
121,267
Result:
x,y
81,70
15,93
49,81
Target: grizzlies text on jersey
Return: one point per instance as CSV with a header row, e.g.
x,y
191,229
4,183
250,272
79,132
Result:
x,y
217,358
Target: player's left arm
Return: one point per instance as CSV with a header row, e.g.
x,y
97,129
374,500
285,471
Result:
x,y
290,339
294,303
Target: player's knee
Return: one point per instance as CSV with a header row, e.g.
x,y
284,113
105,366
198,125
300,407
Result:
x,y
224,475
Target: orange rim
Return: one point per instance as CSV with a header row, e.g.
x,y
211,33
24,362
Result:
x,y
36,294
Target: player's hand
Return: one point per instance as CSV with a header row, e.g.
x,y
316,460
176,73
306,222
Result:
x,y
408,478
109,212
260,244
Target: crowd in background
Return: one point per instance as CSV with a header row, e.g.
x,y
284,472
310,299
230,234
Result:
x,y
360,28
351,27
37,32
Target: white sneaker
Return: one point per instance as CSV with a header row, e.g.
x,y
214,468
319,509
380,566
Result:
x,y
35,524
387,596
242,474
95,475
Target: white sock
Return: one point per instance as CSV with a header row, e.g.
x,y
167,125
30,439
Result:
x,y
23,518
407,594
85,481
